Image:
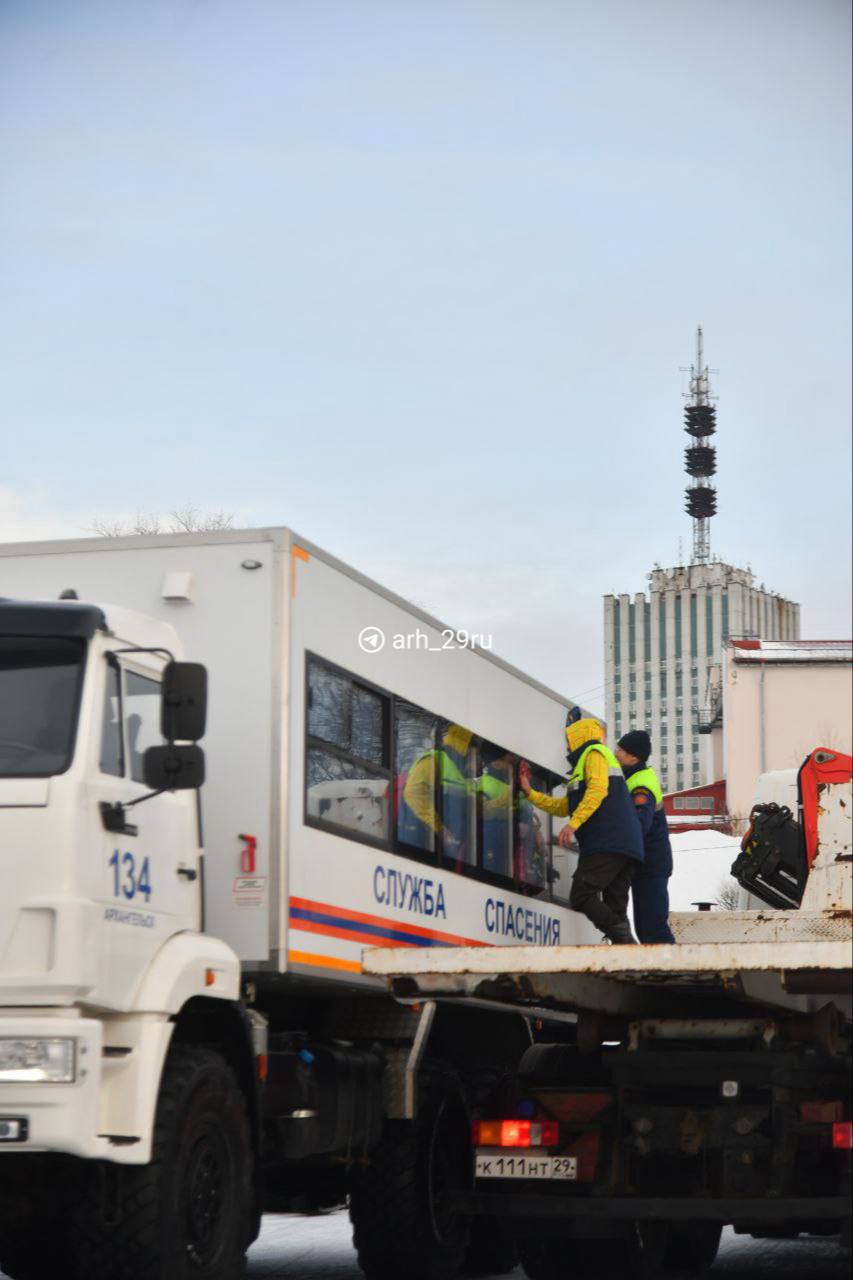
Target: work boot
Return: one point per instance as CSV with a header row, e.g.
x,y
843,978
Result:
x,y
621,934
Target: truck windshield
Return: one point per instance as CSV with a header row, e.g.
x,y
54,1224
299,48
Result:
x,y
39,693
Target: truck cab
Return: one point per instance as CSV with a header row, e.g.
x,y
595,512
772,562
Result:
x,y
105,975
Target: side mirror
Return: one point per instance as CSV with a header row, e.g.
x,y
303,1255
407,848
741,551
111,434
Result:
x,y
173,768
183,714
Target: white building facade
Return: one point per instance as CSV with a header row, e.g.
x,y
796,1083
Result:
x,y
660,647
774,703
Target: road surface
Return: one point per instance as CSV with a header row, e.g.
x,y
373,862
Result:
x,y
321,1249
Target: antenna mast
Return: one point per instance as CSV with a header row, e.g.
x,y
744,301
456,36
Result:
x,y
700,457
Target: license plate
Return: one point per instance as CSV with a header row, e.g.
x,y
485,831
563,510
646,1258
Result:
x,y
490,1164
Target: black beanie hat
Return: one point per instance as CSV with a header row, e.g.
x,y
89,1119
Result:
x,y
637,743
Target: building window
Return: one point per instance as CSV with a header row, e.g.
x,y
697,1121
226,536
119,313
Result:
x,y
617,632
725,615
695,748
632,633
694,625
678,626
647,629
662,625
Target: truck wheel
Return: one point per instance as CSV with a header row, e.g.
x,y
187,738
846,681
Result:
x,y
404,1226
692,1247
187,1215
489,1251
638,1255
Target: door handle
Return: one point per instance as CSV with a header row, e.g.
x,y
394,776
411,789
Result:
x,y
189,873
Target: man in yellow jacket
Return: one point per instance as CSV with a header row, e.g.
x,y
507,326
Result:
x,y
602,818
437,795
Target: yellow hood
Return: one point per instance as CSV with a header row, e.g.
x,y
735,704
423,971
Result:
x,y
458,739
582,731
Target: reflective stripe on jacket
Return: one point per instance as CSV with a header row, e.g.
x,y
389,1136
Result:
x,y
613,827
652,818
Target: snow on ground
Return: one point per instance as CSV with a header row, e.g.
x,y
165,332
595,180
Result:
x,y
321,1249
703,862
293,1248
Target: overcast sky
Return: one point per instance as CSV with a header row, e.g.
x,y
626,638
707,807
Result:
x,y
416,277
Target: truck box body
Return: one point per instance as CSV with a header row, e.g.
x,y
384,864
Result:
x,y
295,896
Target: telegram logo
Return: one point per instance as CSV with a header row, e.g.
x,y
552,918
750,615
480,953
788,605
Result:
x,y
371,639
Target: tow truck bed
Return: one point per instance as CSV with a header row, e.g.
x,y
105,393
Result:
x,y
792,960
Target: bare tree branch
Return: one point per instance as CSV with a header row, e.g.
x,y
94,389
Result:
x,y
181,520
728,895
189,520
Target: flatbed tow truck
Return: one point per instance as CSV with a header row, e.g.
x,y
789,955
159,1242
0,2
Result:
x,y
671,1089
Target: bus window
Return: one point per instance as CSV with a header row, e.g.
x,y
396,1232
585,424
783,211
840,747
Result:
x,y
563,861
495,809
415,740
347,794
456,769
347,779
533,841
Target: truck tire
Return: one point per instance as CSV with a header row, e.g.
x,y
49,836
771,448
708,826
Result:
x,y
692,1248
403,1225
639,1255
187,1215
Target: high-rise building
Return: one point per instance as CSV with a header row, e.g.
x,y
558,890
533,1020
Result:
x,y
660,648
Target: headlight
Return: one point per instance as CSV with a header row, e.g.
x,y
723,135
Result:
x,y
37,1061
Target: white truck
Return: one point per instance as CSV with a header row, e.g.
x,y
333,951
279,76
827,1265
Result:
x,y
187,1034
677,1088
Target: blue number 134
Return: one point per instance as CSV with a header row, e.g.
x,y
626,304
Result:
x,y
127,880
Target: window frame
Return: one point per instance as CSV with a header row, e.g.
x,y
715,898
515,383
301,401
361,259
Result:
x,y
116,660
310,741
113,669
435,857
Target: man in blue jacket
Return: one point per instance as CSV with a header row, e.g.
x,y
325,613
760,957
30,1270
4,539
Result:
x,y
599,807
650,886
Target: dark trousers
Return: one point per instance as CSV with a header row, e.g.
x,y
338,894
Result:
x,y
651,908
600,888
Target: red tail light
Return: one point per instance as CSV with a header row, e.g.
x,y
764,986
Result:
x,y
842,1135
516,1133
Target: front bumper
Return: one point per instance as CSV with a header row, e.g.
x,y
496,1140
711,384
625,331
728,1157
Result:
x,y
57,1117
